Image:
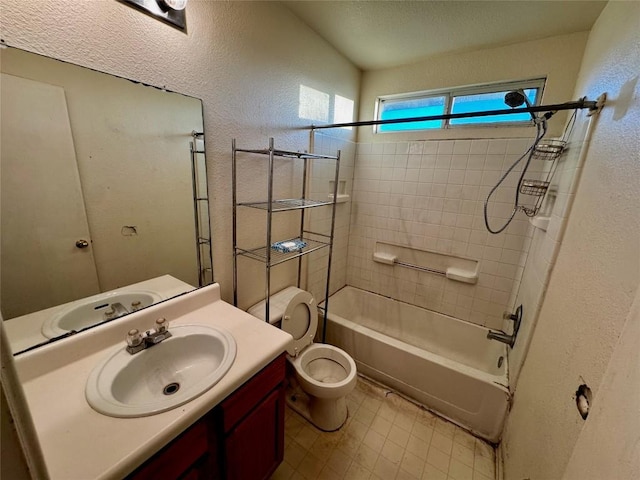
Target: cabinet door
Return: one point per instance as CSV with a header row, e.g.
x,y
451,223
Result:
x,y
255,447
187,457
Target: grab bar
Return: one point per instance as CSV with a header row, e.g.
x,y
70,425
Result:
x,y
422,269
452,273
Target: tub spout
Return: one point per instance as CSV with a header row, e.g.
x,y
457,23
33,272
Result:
x,y
504,337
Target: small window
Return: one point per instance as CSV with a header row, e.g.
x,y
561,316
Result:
x,y
418,107
457,100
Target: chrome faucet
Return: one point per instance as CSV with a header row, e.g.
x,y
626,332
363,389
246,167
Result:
x,y
505,337
137,341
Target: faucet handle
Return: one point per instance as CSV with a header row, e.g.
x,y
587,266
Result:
x,y
134,337
162,325
509,316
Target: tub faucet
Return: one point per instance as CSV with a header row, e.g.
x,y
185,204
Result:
x,y
505,337
137,341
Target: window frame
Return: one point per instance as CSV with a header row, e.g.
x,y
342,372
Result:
x,y
538,83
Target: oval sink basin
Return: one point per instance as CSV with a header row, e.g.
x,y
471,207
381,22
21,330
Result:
x,y
163,376
96,309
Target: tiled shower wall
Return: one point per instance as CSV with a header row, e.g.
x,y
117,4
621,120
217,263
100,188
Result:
x,y
545,244
429,195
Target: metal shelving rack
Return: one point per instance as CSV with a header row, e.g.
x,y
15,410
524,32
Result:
x,y
314,240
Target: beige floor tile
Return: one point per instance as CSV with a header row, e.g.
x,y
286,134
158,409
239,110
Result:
x,y
339,462
310,466
484,449
366,457
464,438
438,459
412,464
441,442
484,465
422,431
462,454
294,453
460,471
324,444
446,428
357,429
365,415
372,404
404,475
392,452
404,421
306,437
357,472
398,435
356,396
327,473
381,426
374,440
426,417
386,437
388,411
478,476
418,447
283,472
432,473
385,468
297,476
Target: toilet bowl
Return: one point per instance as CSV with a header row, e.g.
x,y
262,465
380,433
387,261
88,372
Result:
x,y
324,374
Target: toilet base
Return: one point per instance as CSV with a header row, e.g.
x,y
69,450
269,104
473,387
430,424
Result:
x,y
327,415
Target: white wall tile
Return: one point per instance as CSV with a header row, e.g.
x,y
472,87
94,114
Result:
x,y
430,195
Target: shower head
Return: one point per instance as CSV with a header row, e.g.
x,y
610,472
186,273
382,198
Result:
x,y
515,98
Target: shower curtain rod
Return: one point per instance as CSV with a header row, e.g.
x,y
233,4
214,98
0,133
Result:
x,y
580,104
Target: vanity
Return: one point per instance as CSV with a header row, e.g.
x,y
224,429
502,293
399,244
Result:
x,y
233,430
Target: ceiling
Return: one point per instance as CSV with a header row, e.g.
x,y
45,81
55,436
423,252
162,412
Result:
x,y
382,34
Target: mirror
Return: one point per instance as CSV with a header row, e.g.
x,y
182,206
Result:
x,y
103,202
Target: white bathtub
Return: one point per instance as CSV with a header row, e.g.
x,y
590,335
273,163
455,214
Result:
x,y
443,363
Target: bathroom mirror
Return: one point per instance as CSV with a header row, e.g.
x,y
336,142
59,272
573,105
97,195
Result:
x,y
103,202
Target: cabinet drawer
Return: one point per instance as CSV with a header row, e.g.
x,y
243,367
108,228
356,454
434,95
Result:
x,y
245,399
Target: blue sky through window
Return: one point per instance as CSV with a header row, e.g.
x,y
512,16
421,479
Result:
x,y
457,100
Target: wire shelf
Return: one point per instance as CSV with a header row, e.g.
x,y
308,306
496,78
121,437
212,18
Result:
x,y
549,150
534,187
260,253
286,204
287,154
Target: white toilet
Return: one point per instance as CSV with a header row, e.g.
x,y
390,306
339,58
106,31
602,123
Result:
x,y
324,373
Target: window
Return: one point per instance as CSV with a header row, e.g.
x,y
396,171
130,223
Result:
x,y
456,100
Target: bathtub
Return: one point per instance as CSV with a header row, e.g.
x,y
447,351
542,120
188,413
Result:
x,y
446,364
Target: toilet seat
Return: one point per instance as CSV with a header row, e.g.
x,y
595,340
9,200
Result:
x,y
300,320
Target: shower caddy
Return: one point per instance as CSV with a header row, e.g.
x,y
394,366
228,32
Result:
x,y
313,241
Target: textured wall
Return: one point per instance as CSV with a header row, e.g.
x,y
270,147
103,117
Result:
x,y
245,60
558,58
609,443
596,275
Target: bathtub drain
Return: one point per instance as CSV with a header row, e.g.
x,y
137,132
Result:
x,y
500,360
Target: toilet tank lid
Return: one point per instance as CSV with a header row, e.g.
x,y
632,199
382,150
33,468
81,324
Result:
x,y
277,305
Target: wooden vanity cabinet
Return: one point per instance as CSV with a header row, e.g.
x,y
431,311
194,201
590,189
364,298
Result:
x,y
240,439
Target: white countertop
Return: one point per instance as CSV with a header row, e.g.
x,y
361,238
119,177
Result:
x,y
78,442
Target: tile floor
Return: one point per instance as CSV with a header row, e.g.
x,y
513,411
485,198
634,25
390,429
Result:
x,y
386,437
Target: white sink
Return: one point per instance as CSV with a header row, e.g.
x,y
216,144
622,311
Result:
x,y
96,309
163,376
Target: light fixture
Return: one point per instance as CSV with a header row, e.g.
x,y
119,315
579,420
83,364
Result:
x,y
169,11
